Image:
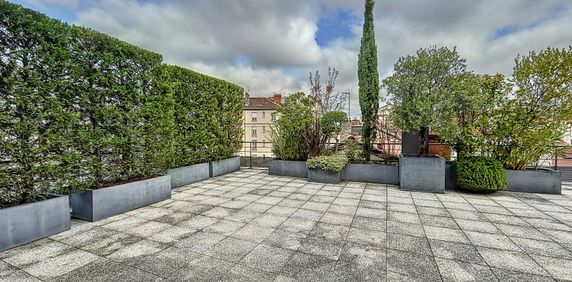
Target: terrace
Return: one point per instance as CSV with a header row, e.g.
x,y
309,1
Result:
x,y
248,226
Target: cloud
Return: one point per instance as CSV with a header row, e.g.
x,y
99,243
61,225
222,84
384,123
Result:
x,y
270,45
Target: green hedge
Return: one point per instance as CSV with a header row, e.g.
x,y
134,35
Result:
x,y
334,163
480,174
80,109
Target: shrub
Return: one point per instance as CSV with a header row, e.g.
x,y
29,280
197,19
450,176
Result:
x,y
296,116
353,152
480,174
334,163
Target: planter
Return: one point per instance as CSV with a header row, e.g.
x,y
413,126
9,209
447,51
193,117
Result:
x,y
288,168
25,223
425,173
324,176
542,181
385,174
225,166
188,174
94,205
450,179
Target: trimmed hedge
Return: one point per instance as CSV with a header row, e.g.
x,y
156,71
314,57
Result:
x,y
480,174
80,110
333,163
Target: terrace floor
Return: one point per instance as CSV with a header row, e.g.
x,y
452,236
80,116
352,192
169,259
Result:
x,y
249,226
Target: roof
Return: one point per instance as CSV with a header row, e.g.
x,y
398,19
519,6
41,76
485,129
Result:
x,y
260,103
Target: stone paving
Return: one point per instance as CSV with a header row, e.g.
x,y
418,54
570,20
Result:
x,y
248,226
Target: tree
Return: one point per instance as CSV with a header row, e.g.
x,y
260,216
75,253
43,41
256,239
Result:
x,y
296,116
420,88
332,124
368,79
532,121
326,99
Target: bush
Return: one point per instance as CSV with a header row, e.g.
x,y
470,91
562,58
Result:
x,y
354,153
80,110
480,174
334,163
296,116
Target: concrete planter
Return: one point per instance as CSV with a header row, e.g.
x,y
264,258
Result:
x,y
425,173
94,205
26,223
542,181
288,168
225,166
373,173
323,176
188,174
450,179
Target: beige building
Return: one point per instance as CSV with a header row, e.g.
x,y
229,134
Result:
x,y
259,115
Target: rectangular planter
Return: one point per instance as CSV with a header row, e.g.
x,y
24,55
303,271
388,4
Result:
x,y
288,168
94,205
225,166
542,181
188,174
450,180
323,176
26,223
425,173
372,173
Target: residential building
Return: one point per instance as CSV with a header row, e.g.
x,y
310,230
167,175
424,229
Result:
x,y
259,115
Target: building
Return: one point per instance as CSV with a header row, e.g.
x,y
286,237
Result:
x,y
259,115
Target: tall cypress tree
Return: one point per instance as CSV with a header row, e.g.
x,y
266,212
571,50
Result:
x,y
368,79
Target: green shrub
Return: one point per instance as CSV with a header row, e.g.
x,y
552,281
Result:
x,y
334,163
296,116
480,174
354,153
80,109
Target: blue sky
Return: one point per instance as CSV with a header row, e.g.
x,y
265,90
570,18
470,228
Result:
x,y
271,45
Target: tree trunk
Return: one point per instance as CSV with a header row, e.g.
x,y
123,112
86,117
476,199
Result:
x,y
423,141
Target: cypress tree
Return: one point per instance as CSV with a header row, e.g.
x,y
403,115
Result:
x,y
368,80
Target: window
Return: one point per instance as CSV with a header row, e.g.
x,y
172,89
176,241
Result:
x,y
263,114
263,129
254,145
254,131
273,116
254,117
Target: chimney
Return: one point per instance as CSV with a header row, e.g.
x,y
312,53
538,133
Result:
x,y
277,98
246,99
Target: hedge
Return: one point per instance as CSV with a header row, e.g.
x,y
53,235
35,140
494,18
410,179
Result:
x,y
480,174
333,163
80,110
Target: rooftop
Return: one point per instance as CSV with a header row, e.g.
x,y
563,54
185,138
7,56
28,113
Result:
x,y
249,225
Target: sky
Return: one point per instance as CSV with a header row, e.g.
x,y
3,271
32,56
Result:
x,y
269,46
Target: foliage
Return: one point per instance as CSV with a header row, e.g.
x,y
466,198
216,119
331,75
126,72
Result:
x,y
368,79
327,100
80,109
532,119
296,115
353,152
481,174
420,89
332,125
334,163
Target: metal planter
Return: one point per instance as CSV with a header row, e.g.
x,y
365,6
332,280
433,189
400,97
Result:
x,y
425,173
188,174
385,174
288,168
26,223
324,176
544,181
225,166
94,205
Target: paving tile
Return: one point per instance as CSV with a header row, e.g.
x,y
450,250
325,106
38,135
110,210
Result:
x,y
172,235
267,258
292,203
373,213
51,267
461,271
138,249
557,267
408,243
548,224
515,276
403,217
200,242
456,251
423,267
205,268
544,248
224,227
253,233
308,214
219,212
505,219
231,249
368,237
442,212
174,218
478,226
269,220
369,223
107,270
336,218
270,200
243,216
514,261
148,229
34,252
282,210
165,262
438,221
492,241
285,239
198,222
298,225
470,215
372,205
402,208
405,228
314,206
240,273
307,267
320,246
445,234
330,231
258,207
